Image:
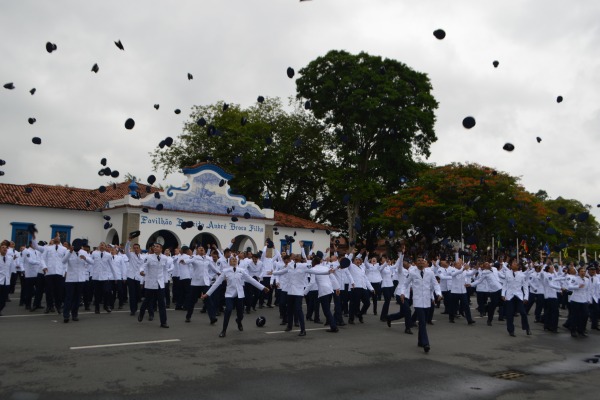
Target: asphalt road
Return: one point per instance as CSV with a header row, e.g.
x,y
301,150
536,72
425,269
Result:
x,y
44,358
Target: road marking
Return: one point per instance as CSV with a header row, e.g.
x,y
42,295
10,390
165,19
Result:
x,y
123,344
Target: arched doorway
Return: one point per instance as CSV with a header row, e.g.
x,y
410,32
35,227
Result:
x,y
245,243
112,237
167,238
205,240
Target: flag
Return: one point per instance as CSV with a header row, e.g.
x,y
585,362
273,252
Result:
x,y
565,253
524,246
585,255
547,249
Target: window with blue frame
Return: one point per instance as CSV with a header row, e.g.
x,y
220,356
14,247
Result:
x,y
307,246
20,234
64,231
285,246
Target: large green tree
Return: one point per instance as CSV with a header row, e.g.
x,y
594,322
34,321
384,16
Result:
x,y
379,119
267,149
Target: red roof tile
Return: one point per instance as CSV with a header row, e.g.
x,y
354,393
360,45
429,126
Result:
x,y
290,221
62,196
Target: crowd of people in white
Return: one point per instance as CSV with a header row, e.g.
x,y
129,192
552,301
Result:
x,y
66,276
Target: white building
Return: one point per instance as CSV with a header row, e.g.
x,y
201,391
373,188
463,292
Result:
x,y
203,202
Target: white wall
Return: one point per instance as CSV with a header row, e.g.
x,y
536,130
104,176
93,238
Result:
x,y
90,225
86,224
320,239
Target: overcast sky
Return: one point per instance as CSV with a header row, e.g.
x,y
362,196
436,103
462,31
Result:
x,y
239,49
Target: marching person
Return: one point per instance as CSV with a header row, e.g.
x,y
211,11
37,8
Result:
x,y
323,277
199,266
296,272
6,263
77,262
551,287
154,270
423,284
32,266
103,272
515,293
53,272
234,292
595,293
578,302
458,290
136,260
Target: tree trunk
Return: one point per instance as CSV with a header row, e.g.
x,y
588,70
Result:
x,y
352,210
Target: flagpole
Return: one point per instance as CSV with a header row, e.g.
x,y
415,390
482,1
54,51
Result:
x,y
517,250
559,257
493,248
578,254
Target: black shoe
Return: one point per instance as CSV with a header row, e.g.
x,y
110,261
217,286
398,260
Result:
x,y
247,311
203,311
426,348
240,326
261,306
289,328
500,319
452,321
141,317
52,309
445,312
107,309
389,322
360,319
121,307
283,323
374,312
75,319
574,334
66,320
212,321
489,323
317,321
151,317
47,311
87,309
341,324
429,322
297,325
97,311
408,331
332,330
132,313
269,306
351,321
222,334
188,320
470,322
583,335
528,332
309,319
481,315
302,333
164,325
512,334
